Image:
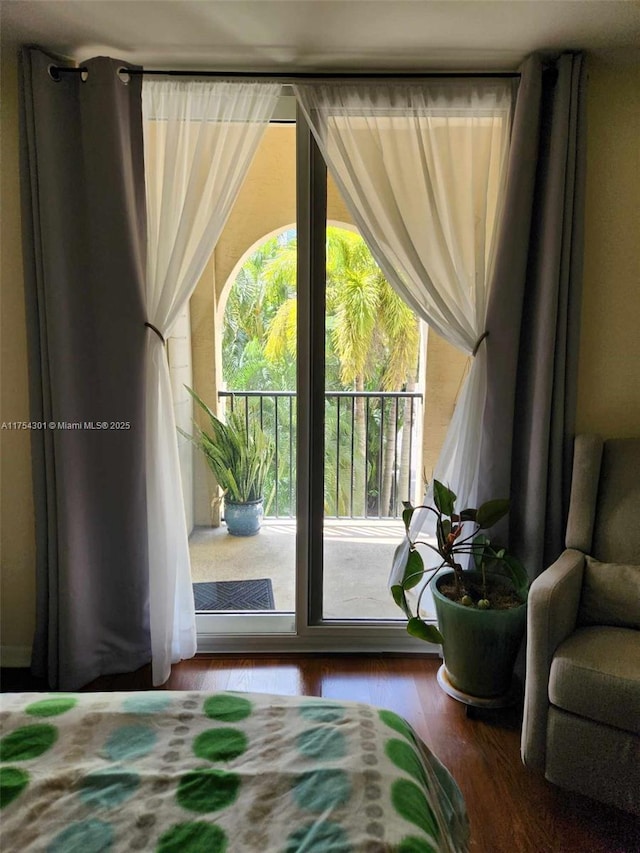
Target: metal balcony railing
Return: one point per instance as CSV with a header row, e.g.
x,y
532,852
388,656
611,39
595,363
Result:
x,y
372,442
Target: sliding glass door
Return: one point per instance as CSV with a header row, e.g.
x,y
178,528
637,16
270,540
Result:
x,y
319,373
363,423
244,346
372,423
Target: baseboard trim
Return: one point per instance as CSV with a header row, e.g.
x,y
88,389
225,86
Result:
x,y
15,656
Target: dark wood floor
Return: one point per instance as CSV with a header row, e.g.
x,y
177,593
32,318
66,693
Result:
x,y
511,810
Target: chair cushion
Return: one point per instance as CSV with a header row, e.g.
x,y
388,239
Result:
x,y
610,595
599,761
596,673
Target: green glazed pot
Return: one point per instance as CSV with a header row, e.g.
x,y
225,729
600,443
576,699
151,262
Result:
x,y
480,646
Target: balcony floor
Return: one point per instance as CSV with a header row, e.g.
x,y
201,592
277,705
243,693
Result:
x,y
357,561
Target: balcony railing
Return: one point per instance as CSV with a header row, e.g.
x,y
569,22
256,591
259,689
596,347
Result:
x,y
372,443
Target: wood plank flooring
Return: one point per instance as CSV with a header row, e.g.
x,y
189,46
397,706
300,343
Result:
x,y
511,810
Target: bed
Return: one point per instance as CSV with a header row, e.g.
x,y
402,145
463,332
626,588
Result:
x,y
213,772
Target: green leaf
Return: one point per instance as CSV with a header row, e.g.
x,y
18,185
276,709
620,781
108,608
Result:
x,y
478,547
414,570
406,517
443,498
417,628
238,457
518,574
468,514
491,512
443,530
401,599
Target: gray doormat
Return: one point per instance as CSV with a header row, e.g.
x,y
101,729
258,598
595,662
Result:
x,y
234,595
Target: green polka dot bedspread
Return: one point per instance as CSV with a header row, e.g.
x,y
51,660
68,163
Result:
x,y
188,772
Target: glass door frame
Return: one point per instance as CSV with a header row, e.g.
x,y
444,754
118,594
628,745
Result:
x,y
306,630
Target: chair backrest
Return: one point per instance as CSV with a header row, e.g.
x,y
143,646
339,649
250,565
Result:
x,y
587,459
604,514
616,533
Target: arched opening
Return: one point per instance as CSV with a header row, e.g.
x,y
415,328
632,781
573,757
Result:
x,y
372,357
250,277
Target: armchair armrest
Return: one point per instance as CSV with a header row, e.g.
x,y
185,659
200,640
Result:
x,y
554,598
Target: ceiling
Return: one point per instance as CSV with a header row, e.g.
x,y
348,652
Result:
x,y
324,34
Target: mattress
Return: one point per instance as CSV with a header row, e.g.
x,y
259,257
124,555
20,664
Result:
x,y
218,772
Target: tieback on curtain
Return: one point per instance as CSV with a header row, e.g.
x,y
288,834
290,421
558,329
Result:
x,y
159,333
478,342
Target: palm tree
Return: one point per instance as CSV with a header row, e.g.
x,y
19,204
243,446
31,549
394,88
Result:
x,y
401,328
371,334
245,314
253,302
353,297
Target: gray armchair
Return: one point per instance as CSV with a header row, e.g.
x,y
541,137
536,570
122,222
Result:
x,y
581,724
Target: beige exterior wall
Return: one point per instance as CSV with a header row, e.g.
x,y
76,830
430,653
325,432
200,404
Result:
x,y
446,368
609,387
181,374
207,379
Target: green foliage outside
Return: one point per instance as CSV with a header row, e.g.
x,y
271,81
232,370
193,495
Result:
x,y
372,344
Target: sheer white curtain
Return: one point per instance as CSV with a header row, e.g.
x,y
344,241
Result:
x,y
421,167
199,140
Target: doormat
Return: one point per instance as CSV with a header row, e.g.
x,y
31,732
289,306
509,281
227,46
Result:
x,y
234,595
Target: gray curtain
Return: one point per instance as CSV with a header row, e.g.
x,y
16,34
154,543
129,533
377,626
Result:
x,y
85,236
534,312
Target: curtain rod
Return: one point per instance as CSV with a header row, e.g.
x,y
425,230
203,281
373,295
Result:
x,y
303,75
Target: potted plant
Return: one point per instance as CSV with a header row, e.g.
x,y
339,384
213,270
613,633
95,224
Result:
x,y
480,606
239,456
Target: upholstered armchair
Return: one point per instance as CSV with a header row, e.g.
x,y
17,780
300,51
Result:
x,y
581,723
